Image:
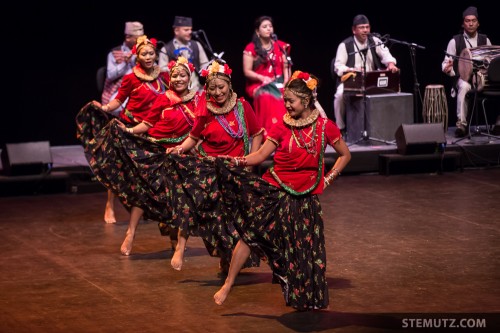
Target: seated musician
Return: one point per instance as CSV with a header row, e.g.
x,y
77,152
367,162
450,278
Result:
x,y
361,51
470,38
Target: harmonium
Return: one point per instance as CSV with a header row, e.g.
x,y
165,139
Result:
x,y
373,83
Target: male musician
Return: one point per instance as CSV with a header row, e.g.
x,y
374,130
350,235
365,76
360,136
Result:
x,y
469,38
183,45
359,52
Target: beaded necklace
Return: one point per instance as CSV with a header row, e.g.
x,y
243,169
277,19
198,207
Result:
x,y
319,175
238,134
162,87
310,146
143,76
188,114
246,142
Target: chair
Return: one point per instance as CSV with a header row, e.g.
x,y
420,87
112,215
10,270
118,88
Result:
x,y
493,90
484,88
100,79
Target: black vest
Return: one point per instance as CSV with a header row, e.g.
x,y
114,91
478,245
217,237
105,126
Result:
x,y
192,51
460,45
349,46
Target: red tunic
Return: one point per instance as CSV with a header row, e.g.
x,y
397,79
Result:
x,y
294,166
171,118
141,94
218,140
270,68
267,99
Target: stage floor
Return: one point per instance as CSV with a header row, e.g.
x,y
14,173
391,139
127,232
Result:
x,y
400,249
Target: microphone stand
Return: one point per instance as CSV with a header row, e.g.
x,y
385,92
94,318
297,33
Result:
x,y
364,134
416,86
287,57
206,45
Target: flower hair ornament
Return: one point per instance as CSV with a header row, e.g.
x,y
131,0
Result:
x,y
181,62
143,41
312,84
306,77
216,68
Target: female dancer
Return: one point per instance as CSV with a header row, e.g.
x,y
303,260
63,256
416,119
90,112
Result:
x,y
224,125
141,87
279,215
168,123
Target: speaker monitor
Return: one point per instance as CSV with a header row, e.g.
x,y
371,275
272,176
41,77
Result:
x,y
28,158
384,113
419,138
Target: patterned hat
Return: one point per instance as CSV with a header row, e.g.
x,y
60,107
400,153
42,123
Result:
x,y
134,28
181,21
470,11
360,19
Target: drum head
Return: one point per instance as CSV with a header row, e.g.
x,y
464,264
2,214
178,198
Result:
x,y
465,65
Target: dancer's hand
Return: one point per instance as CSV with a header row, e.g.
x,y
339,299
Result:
x,y
176,150
121,125
228,158
96,104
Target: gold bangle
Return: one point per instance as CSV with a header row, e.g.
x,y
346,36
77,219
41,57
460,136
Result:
x,y
240,161
130,130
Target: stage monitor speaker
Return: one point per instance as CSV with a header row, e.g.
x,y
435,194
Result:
x,y
384,113
28,158
419,138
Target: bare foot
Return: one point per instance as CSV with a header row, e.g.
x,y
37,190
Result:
x,y
221,295
177,259
109,215
127,244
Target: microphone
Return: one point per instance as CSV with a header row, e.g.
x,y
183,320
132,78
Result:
x,y
196,34
274,37
375,34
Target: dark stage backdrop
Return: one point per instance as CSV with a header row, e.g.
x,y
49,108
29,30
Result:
x,y
63,46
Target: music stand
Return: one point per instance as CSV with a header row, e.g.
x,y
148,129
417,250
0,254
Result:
x,y
365,137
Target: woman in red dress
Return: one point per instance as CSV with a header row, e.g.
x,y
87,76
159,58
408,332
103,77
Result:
x,y
142,87
224,125
266,67
279,215
168,123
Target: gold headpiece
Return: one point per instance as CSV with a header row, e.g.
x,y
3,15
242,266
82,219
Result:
x,y
181,62
143,41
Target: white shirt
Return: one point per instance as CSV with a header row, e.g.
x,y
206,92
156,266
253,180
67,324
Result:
x,y
342,56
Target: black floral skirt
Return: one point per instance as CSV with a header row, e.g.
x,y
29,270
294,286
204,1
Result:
x,y
286,230
129,165
177,191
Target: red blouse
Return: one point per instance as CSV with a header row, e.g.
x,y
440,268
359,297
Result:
x,y
294,165
141,94
222,134
271,68
171,118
